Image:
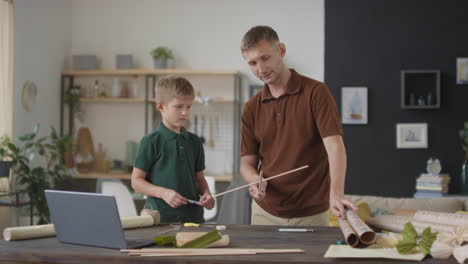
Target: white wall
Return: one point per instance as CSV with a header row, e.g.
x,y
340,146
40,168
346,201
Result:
x,y
42,43
204,34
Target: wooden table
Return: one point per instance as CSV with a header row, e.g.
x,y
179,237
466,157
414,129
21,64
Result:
x,y
315,245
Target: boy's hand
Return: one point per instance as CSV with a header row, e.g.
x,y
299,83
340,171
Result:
x,y
173,198
207,201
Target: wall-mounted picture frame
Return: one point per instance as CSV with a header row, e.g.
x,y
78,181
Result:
x,y
462,70
411,136
254,89
354,105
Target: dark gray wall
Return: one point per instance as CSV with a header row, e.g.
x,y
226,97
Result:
x,y
367,43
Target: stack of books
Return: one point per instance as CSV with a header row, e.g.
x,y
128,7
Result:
x,y
432,185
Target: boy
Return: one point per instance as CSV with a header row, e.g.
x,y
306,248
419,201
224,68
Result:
x,y
170,160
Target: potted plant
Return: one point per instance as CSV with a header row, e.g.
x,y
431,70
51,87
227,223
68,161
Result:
x,y
160,56
34,179
464,173
4,162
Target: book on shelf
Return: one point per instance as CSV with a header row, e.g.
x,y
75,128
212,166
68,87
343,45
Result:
x,y
441,180
424,194
434,177
432,188
431,184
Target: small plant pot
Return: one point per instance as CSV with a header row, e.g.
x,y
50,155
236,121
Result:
x,y
160,63
5,168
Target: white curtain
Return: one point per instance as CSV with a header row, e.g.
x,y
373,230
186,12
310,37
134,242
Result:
x,y
7,46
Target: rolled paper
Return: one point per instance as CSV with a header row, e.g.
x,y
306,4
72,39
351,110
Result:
x,y
348,232
184,237
365,233
442,218
28,232
137,221
396,224
153,213
40,231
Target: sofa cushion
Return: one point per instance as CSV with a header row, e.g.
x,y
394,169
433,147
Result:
x,y
449,205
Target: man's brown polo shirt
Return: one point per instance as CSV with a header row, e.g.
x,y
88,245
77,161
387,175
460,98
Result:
x,y
286,133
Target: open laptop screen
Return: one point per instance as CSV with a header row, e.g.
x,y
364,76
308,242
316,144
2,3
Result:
x,y
86,218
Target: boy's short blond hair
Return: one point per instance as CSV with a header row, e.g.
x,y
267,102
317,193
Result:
x,y
172,86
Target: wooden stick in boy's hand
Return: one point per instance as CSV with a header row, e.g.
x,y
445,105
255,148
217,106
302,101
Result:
x,y
261,177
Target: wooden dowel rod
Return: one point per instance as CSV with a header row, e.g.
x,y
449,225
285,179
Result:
x,y
267,179
194,254
209,250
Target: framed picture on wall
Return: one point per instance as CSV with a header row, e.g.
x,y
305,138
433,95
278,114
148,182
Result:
x,y
254,89
354,105
411,135
462,70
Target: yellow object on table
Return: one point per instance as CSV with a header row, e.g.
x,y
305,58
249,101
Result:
x,y
191,225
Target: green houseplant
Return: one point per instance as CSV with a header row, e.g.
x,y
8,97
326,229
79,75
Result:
x,y
48,153
161,55
463,133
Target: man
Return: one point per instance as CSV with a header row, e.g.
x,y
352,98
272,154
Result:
x,y
292,122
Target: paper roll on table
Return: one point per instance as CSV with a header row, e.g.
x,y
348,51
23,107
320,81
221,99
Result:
x,y
40,231
355,231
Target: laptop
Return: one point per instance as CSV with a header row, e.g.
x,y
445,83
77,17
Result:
x,y
90,219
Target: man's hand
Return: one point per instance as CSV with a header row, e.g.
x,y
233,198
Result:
x,y
258,191
338,206
173,198
207,201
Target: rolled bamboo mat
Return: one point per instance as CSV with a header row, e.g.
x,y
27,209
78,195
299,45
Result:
x,y
442,218
396,224
41,231
184,237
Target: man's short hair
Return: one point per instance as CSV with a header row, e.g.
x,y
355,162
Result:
x,y
257,34
172,86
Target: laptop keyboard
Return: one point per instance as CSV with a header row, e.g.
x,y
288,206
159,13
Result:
x,y
136,242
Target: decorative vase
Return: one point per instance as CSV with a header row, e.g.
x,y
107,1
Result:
x,y
464,178
160,63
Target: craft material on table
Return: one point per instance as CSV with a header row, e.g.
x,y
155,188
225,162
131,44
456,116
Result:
x,y
191,225
40,231
295,230
395,223
184,237
267,179
173,252
355,231
441,218
344,251
205,239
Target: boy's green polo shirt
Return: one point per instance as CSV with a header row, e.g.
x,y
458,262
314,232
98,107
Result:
x,y
170,161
